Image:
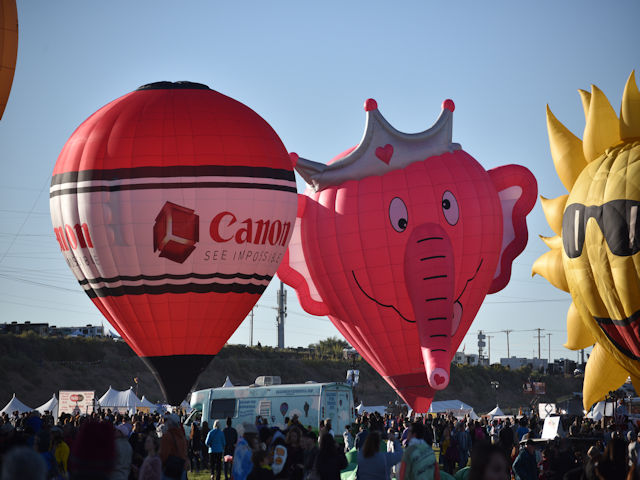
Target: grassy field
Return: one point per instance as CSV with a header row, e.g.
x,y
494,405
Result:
x,y
199,476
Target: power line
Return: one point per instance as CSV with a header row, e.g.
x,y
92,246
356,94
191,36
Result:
x,y
24,222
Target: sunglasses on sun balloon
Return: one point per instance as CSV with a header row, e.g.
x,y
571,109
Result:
x,y
618,222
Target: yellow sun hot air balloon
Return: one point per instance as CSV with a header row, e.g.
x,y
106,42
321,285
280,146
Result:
x,y
595,254
8,48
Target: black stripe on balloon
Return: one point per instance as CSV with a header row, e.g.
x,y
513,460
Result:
x,y
173,171
164,186
624,322
622,348
170,276
169,288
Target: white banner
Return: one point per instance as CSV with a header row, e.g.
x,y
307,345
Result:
x,y
76,401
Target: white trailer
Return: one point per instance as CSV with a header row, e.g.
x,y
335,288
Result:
x,y
311,402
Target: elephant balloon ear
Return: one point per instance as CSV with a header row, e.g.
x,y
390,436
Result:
x,y
294,269
517,189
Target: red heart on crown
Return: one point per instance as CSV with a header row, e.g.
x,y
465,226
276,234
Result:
x,y
385,153
439,379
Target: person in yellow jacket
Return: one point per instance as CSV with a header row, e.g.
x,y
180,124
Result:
x,y
60,449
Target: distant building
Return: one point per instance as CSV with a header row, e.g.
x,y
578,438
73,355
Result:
x,y
44,330
461,358
16,328
514,363
86,331
562,366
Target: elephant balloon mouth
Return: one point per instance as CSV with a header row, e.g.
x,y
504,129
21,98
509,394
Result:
x,y
458,308
624,334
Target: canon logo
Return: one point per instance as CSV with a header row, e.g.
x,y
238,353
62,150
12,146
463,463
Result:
x,y
71,237
176,234
225,227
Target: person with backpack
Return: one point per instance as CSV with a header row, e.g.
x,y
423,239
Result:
x,y
418,461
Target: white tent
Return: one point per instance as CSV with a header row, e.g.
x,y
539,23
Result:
x,y
601,409
15,404
458,408
496,412
381,409
227,383
145,402
119,400
50,406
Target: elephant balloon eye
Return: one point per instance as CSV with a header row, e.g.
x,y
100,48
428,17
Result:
x,y
398,215
450,208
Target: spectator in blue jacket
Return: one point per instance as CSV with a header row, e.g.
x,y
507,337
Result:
x,y
215,442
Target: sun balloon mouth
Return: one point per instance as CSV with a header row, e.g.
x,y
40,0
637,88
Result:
x,y
624,334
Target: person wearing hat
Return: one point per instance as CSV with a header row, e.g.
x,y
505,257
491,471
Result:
x,y
525,465
242,463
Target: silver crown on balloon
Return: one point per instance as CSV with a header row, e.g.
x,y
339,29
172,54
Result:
x,y
381,150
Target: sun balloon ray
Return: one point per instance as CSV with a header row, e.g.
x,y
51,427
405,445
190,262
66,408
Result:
x,y
595,253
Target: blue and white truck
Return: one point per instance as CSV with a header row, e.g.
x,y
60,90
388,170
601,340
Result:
x,y
267,398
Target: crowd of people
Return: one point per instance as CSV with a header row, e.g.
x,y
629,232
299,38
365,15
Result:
x,y
108,445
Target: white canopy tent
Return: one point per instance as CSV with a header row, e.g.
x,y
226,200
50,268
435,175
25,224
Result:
x,y
50,406
496,412
227,383
381,409
146,403
120,400
601,409
458,408
15,404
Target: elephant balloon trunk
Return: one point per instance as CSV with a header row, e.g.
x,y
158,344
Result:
x,y
430,279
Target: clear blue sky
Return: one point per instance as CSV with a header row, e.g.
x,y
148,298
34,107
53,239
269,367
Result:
x,y
307,67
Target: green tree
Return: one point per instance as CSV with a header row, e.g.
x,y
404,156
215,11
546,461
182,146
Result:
x,y
329,347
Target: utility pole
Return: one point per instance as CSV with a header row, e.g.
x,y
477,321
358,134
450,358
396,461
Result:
x,y
508,332
582,356
282,313
251,329
549,335
489,337
539,335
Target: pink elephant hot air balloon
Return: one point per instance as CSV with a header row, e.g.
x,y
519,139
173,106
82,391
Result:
x,y
398,241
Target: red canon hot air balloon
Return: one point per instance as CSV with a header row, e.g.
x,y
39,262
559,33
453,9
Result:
x,y
174,205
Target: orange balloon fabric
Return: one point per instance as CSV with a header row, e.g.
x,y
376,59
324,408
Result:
x,y
8,48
